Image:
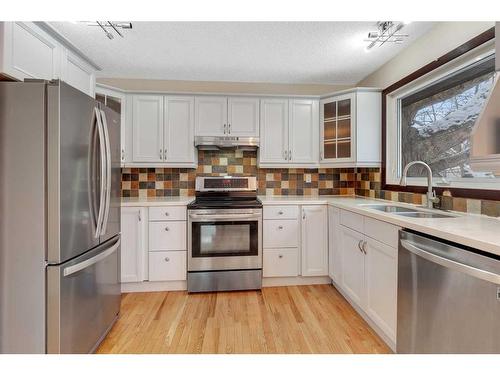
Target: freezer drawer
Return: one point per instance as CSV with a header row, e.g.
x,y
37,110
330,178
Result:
x,y
448,298
83,299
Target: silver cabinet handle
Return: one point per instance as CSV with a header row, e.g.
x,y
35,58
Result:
x,y
166,229
280,227
123,154
445,262
91,261
280,256
289,155
280,213
161,154
165,154
225,128
229,128
363,246
359,245
284,155
139,215
166,213
167,259
303,214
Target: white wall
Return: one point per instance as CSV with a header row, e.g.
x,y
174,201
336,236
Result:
x,y
441,39
220,87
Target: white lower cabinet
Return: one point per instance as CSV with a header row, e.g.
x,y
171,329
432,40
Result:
x,y
295,241
353,264
281,262
314,241
381,264
133,244
167,265
367,251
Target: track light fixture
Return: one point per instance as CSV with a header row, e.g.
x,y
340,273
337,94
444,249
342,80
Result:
x,y
387,32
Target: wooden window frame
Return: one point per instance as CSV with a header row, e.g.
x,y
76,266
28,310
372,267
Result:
x,y
455,53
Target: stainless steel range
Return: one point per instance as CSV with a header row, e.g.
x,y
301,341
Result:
x,y
225,235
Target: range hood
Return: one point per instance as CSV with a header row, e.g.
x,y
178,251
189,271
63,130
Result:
x,y
222,142
485,148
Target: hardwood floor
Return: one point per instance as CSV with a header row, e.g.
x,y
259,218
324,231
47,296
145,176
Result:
x,y
295,319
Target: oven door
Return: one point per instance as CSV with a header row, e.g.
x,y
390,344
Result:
x,y
225,239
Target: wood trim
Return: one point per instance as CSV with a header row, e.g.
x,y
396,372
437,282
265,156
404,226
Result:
x,y
446,58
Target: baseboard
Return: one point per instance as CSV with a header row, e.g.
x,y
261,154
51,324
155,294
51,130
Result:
x,y
166,286
298,280
153,286
367,319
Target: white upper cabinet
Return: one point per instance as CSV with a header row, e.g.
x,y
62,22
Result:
x,y
274,131
30,51
289,133
147,128
243,117
117,101
303,133
211,115
179,130
163,131
314,240
350,129
77,73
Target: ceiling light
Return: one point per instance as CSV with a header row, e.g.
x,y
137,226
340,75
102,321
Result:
x,y
387,33
109,26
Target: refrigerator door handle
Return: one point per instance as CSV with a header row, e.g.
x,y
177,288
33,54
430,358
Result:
x,y
461,267
91,173
68,271
108,172
103,172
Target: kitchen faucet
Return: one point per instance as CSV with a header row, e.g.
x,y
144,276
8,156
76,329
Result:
x,y
431,195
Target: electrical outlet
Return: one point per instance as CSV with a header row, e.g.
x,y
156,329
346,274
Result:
x,y
308,178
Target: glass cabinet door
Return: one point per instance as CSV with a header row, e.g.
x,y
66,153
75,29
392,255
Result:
x,y
337,125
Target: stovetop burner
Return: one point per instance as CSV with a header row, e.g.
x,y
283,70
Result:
x,y
225,192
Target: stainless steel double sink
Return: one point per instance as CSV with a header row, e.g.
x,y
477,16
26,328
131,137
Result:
x,y
408,211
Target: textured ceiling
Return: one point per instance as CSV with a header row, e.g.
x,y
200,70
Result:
x,y
280,52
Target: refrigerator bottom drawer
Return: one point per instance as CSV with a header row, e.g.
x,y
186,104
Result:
x,y
83,299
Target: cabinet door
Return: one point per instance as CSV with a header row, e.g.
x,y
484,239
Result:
x,y
314,241
133,248
243,117
338,129
210,115
28,51
353,265
179,130
273,131
147,128
381,285
334,247
304,131
77,73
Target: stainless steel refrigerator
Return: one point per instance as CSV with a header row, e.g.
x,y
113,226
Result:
x,y
59,218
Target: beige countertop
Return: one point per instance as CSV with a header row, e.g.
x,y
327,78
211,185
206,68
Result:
x,y
156,201
477,231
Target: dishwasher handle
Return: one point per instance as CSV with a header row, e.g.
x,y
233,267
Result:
x,y
445,262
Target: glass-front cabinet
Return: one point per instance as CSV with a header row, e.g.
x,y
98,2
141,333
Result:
x,y
350,129
336,123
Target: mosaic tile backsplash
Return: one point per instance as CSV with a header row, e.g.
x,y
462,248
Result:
x,y
151,182
158,182
368,184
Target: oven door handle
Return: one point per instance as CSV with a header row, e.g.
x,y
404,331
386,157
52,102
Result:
x,y
212,217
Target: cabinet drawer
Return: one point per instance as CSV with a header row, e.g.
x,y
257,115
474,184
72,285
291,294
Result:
x,y
167,265
167,213
351,220
281,212
383,232
281,233
170,235
280,262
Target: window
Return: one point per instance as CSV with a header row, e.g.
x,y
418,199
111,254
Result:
x,y
433,120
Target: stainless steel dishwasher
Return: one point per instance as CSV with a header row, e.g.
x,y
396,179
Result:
x,y
448,297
